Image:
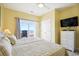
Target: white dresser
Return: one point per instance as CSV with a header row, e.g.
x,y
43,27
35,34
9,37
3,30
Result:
x,y
68,40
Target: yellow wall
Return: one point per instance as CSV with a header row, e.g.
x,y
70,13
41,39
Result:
x,y
57,26
9,20
63,13
0,16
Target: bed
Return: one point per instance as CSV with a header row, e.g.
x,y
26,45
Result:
x,y
30,47
25,40
37,47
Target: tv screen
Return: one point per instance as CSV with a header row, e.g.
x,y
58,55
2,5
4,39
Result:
x,y
69,22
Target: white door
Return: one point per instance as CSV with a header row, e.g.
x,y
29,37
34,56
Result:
x,y
46,30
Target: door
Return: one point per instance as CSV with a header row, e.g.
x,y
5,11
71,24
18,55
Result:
x,y
46,30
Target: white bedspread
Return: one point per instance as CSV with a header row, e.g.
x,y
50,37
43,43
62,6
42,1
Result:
x,y
26,40
38,48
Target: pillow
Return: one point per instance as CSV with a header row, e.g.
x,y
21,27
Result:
x,y
2,35
5,47
12,39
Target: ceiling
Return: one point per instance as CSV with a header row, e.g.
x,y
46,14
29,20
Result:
x,y
32,8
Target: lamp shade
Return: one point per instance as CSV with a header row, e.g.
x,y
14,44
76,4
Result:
x,y
7,31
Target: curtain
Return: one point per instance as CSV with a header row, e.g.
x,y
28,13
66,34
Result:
x,y
18,28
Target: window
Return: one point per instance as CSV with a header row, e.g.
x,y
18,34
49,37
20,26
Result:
x,y
27,28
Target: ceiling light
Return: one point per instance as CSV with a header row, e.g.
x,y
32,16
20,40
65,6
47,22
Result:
x,y
40,5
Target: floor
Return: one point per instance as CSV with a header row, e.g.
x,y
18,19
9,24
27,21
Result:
x,y
73,53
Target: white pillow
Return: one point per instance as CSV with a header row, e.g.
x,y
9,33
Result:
x,y
12,39
2,35
5,47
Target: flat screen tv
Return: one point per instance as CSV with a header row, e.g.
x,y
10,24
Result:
x,y
69,22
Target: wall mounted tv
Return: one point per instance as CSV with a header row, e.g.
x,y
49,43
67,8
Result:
x,y
69,22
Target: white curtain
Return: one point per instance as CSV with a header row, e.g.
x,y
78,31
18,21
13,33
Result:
x,y
18,28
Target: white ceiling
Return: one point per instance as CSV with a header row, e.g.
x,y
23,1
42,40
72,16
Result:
x,y
33,9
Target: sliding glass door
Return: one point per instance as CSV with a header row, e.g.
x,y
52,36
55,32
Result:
x,y
27,28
